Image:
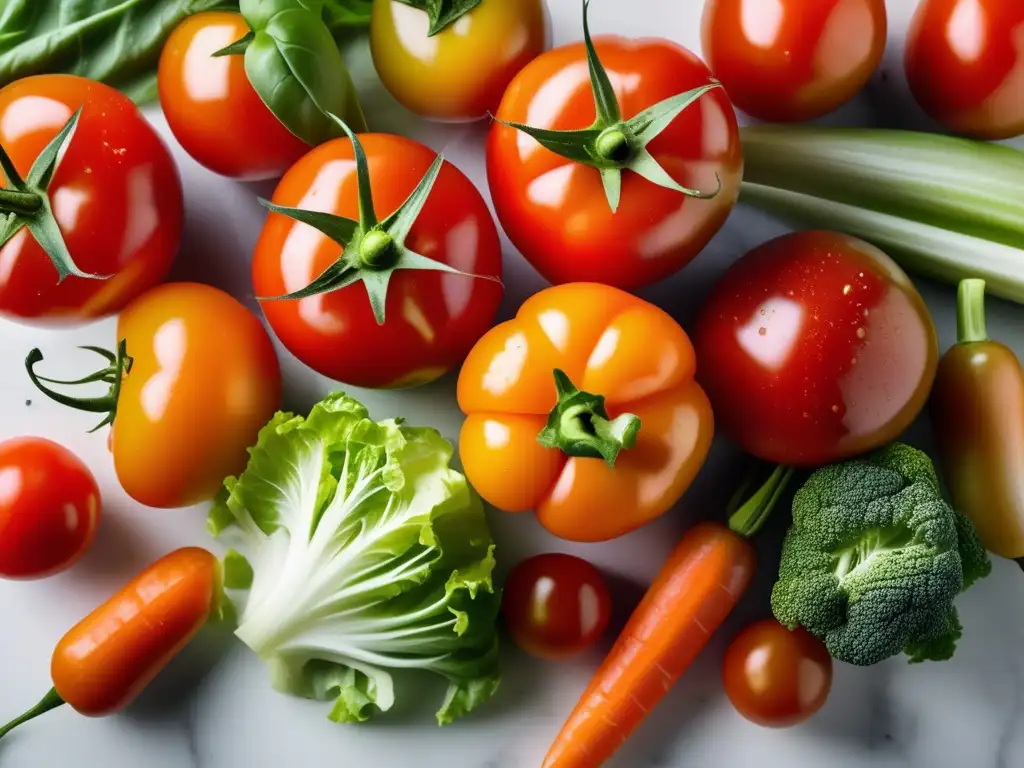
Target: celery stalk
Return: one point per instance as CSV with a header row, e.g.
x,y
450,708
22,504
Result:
x,y
943,207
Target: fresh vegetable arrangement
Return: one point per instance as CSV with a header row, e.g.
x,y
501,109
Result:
x,y
351,546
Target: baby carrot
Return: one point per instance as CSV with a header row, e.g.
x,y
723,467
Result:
x,y
696,590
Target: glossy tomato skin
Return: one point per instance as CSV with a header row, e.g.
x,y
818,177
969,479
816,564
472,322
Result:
x,y
461,73
204,380
116,196
210,106
555,211
815,347
965,65
609,343
777,677
49,508
432,318
793,60
555,605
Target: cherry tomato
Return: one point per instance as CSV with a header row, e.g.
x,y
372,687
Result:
x,y
815,347
776,677
793,60
204,379
461,72
556,211
49,508
211,108
433,318
965,65
116,197
556,605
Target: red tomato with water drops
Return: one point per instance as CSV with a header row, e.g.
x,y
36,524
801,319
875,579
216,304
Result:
x,y
556,605
213,110
115,195
49,508
793,60
815,347
432,319
777,677
556,210
964,61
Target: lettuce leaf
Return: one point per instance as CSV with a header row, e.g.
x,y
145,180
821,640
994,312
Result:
x,y
358,549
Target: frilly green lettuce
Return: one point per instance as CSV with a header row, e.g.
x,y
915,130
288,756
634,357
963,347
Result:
x,y
357,549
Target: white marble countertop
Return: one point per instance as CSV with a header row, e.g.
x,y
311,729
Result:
x,y
213,708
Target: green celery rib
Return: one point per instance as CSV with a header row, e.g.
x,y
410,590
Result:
x,y
945,208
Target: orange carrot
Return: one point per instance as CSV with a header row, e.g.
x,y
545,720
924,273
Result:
x,y
697,589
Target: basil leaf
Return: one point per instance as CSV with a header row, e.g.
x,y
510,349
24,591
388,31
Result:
x,y
296,68
344,15
117,42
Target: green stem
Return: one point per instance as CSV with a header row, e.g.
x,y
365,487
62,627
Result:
x,y
579,425
748,518
970,312
51,700
25,203
612,145
377,250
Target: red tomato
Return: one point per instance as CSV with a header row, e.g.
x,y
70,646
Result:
x,y
776,677
116,196
212,109
815,347
433,318
555,211
555,605
793,60
965,65
49,508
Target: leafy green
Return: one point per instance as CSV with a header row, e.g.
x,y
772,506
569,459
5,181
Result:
x,y
874,559
442,13
117,42
343,15
367,552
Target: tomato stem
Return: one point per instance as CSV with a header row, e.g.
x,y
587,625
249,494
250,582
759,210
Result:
x,y
51,700
377,250
970,312
612,145
120,365
25,203
579,425
748,517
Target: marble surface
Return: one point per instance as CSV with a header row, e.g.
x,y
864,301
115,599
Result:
x,y
213,707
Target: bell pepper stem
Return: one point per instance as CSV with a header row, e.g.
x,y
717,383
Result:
x,y
51,700
579,425
749,511
970,312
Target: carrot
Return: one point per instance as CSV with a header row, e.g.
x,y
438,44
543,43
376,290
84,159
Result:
x,y
696,590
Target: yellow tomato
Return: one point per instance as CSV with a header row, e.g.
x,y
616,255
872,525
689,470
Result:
x,y
461,72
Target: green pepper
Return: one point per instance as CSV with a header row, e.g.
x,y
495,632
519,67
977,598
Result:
x,y
977,411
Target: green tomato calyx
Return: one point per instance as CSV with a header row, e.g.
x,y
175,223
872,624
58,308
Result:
x,y
579,425
25,203
372,250
613,145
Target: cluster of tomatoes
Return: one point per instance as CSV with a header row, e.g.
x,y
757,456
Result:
x,y
592,407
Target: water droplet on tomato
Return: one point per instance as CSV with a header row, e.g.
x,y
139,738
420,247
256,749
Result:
x,y
847,289
762,331
861,332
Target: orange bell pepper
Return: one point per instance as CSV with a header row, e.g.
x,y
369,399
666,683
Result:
x,y
584,408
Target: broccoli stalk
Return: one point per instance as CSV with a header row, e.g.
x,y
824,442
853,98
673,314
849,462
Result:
x,y
874,558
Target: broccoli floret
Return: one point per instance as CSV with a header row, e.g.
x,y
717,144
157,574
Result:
x,y
874,558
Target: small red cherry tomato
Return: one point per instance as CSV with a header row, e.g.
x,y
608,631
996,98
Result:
x,y
556,210
556,605
432,318
212,109
964,61
776,677
49,508
815,347
115,196
793,60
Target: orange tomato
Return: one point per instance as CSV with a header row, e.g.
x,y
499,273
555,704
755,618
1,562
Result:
x,y
106,660
212,109
461,72
609,344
